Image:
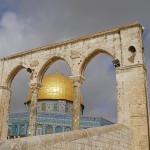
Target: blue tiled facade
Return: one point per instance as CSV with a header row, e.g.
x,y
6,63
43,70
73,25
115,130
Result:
x,y
52,117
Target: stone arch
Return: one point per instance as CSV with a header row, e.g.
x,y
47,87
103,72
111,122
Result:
x,y
90,56
47,64
12,75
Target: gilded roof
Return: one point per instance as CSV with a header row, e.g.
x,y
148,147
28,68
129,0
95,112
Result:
x,y
56,86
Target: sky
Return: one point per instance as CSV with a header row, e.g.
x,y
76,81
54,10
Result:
x,y
27,24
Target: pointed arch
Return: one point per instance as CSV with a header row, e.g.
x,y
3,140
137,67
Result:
x,y
15,129
89,57
39,129
47,64
12,74
58,129
49,129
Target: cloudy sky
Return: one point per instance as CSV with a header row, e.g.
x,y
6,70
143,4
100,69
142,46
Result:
x,y
26,24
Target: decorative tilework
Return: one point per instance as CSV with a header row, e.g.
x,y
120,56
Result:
x,y
39,107
55,106
49,107
57,114
62,105
43,108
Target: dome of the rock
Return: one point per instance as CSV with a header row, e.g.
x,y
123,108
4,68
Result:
x,y
56,86
54,109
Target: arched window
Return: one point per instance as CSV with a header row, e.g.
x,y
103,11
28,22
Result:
x,y
39,129
58,129
26,130
49,130
9,129
22,130
15,130
67,129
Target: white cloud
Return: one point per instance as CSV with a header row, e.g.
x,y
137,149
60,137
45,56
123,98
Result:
x,y
12,30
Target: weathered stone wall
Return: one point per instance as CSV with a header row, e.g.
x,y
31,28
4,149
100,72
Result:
x,y
5,95
114,137
131,107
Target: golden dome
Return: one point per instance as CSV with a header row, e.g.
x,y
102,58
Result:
x,y
56,86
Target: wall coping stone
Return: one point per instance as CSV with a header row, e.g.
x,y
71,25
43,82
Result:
x,y
51,139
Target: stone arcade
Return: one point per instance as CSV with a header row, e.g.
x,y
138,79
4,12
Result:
x,y
125,45
54,109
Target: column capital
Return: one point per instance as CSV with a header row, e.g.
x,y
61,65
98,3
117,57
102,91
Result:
x,y
5,88
131,66
78,80
34,86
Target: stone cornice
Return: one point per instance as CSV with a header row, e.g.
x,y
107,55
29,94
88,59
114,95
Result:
x,y
131,66
111,31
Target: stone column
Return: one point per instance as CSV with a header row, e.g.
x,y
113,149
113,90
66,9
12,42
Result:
x,y
77,80
132,103
5,95
33,108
